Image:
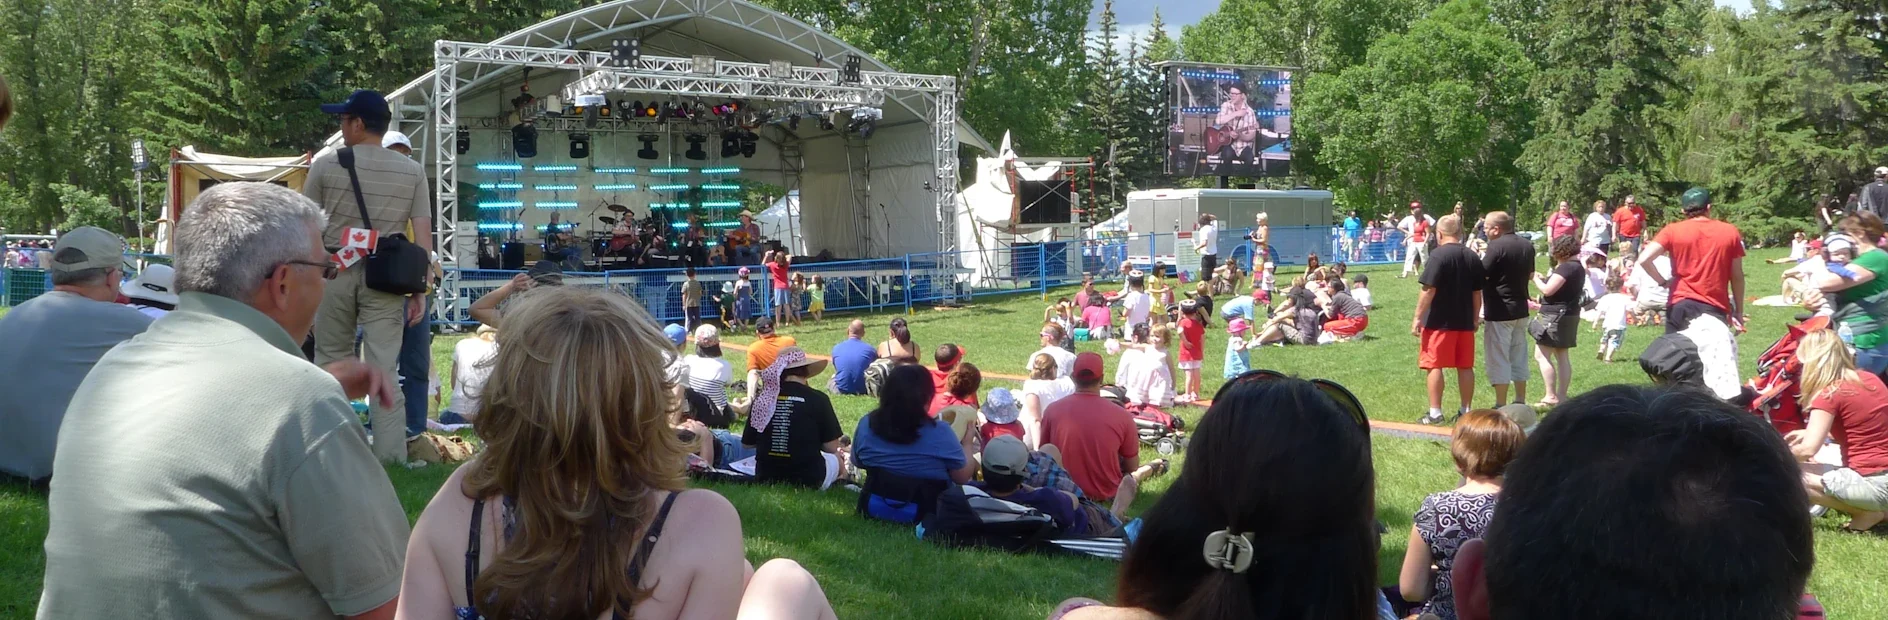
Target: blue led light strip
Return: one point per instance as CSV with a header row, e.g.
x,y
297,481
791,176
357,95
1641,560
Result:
x,y
495,167
668,171
720,170
501,186
721,204
1215,110
721,187
609,187
555,188
504,204
553,205
555,168
615,171
500,226
674,187
723,224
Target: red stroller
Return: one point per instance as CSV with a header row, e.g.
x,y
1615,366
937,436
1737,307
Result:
x,y
1778,374
1162,431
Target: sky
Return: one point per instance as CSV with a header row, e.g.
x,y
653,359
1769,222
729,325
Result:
x,y
1134,15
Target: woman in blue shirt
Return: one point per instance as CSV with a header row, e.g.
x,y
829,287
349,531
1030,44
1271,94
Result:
x,y
902,438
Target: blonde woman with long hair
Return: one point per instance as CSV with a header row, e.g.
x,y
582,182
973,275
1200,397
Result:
x,y
1042,389
577,506
1852,407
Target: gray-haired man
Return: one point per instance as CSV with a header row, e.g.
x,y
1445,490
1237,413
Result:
x,y
249,490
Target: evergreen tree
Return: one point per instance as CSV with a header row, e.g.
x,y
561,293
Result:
x,y
1145,145
1108,115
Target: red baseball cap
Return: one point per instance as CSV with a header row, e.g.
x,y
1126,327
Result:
x,y
1415,205
1087,367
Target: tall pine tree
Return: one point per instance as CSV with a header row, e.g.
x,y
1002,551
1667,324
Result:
x,y
1107,114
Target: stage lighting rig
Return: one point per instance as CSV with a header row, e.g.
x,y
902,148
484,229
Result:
x,y
730,144
865,121
462,142
749,141
524,140
648,141
580,145
695,151
625,52
850,74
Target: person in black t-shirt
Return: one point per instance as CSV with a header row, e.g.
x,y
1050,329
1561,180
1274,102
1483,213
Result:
x,y
792,425
1509,264
1557,329
1447,314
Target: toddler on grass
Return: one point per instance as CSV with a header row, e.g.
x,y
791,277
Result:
x,y
1613,308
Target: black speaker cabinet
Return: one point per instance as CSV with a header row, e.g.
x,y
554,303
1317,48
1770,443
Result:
x,y
1043,202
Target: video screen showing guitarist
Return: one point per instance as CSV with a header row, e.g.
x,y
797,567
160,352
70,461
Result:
x,y
1229,121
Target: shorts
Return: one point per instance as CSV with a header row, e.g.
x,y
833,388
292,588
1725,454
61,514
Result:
x,y
1446,348
1684,310
1188,364
1873,360
1643,307
1101,521
1347,327
1855,489
1208,262
1556,330
1613,338
1505,351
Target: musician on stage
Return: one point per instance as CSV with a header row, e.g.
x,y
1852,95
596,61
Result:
x,y
1237,119
559,246
695,243
745,239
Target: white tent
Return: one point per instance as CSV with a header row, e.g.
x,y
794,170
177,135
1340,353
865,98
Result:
x,y
986,230
782,221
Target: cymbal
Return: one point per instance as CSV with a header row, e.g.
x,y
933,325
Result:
x,y
619,208
607,220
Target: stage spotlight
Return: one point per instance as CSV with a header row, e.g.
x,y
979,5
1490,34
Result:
x,y
695,151
625,52
649,111
749,142
579,146
524,140
826,121
463,143
648,145
850,73
730,144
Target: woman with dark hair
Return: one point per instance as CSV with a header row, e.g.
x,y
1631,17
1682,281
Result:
x,y
901,437
1556,330
1860,295
900,343
1273,516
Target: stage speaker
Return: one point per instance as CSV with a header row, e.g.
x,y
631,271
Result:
x,y
512,256
1043,202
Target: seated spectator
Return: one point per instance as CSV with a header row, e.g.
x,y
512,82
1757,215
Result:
x,y
947,356
1097,438
792,425
1633,502
900,343
1345,317
1042,389
1052,336
1278,491
708,373
234,468
1006,467
471,368
574,425
1483,442
960,388
1096,318
766,344
850,359
153,292
1360,291
1143,370
1000,413
1850,407
1298,320
53,340
901,437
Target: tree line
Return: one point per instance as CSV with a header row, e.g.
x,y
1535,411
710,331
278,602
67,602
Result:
x,y
1509,104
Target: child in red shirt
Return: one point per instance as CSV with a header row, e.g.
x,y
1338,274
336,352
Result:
x,y
1192,347
777,263
1000,410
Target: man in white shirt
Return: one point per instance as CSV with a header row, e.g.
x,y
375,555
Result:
x,y
1051,339
1206,244
1599,228
1416,228
1136,304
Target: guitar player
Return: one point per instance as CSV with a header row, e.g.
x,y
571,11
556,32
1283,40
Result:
x,y
1238,122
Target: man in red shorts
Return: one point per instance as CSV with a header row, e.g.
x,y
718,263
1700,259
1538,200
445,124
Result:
x,y
1447,314
1346,317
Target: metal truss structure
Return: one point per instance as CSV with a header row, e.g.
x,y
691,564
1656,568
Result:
x,y
462,68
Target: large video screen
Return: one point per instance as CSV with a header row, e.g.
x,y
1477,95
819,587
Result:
x,y
1229,121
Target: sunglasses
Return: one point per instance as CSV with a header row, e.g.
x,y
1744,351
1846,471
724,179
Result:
x,y
329,271
1337,392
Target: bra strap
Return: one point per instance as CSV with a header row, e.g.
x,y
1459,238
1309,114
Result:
x,y
472,551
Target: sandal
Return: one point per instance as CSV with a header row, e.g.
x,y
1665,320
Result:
x,y
1158,468
1544,405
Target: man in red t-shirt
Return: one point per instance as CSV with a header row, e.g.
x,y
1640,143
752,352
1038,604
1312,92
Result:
x,y
1629,224
1561,222
1855,414
1706,254
1097,438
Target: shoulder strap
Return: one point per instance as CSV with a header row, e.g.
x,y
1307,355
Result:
x,y
472,551
346,158
649,540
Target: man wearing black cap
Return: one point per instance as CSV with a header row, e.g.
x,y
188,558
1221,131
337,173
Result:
x,y
1707,255
396,194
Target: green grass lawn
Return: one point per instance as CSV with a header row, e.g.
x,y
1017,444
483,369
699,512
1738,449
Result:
x,y
881,571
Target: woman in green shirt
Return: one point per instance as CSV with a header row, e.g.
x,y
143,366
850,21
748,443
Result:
x,y
1861,298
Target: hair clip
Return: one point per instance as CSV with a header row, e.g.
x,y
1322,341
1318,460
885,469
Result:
x,y
1228,551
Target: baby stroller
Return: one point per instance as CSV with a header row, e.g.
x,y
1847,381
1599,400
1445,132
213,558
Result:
x,y
1159,430
1778,374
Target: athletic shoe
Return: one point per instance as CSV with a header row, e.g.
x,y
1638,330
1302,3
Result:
x,y
1431,419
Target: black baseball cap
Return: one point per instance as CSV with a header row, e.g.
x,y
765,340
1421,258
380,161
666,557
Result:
x,y
363,103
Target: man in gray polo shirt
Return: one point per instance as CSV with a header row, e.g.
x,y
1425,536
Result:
x,y
52,341
207,470
395,189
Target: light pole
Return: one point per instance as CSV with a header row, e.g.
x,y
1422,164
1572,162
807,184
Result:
x,y
139,161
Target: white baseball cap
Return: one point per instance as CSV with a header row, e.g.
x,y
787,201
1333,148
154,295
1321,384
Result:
x,y
156,283
394,137
1881,171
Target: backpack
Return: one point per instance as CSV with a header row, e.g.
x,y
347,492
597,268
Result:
x,y
968,517
875,375
703,410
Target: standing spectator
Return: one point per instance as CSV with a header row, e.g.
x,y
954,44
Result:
x,y
1509,265
691,299
53,341
1206,244
1613,308
281,510
1629,224
1561,222
1852,408
792,425
1706,254
743,298
1557,330
1042,389
1861,299
850,359
1136,304
777,262
1238,355
1097,438
471,368
816,297
1261,238
397,196
766,345
1598,228
1446,316
1416,230
1353,232
1192,348
1051,339
1874,196
1482,444
1713,526
153,292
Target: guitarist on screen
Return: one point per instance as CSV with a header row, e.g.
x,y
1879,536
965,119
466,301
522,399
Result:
x,y
1238,122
